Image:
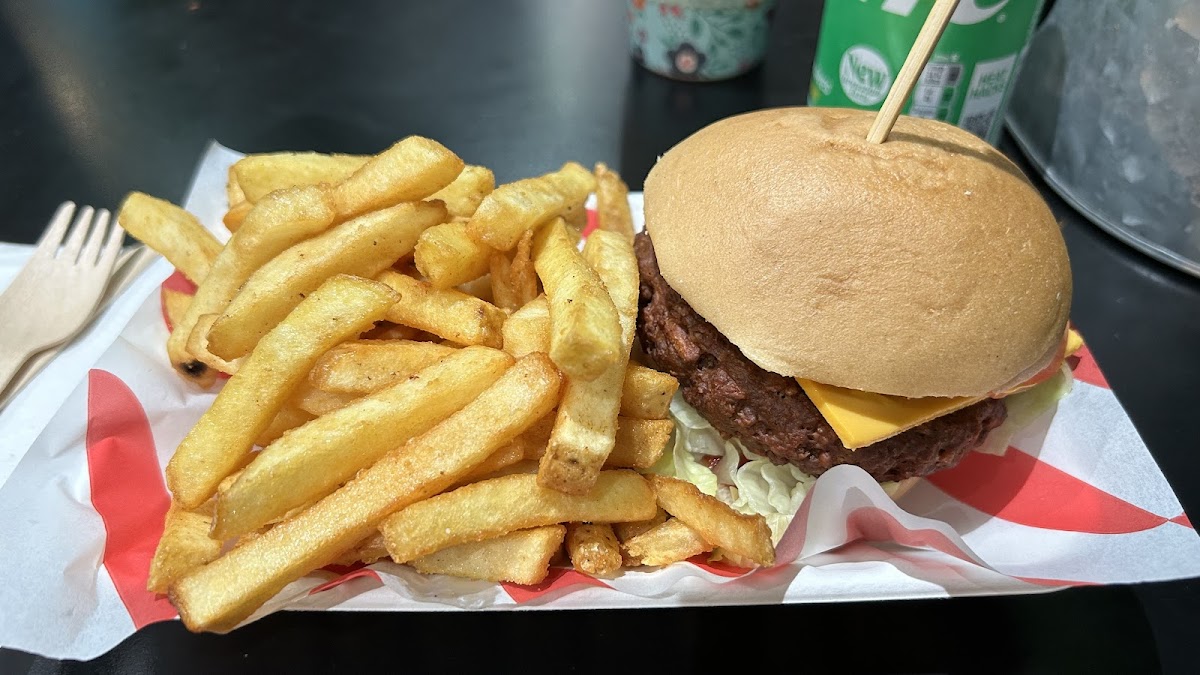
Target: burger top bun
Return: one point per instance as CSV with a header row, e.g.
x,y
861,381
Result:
x,y
927,265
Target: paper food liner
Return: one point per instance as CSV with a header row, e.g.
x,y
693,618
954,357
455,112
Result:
x,y
1076,499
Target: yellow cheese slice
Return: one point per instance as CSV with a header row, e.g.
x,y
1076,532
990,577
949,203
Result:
x,y
861,418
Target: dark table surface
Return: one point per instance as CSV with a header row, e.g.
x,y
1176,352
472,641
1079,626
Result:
x,y
99,98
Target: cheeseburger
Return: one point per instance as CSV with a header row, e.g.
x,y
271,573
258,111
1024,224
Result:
x,y
824,300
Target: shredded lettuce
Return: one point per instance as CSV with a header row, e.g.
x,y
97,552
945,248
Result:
x,y
775,492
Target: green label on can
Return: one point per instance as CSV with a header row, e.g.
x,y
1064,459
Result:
x,y
863,44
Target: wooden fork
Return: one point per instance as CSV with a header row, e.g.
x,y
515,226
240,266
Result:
x,y
52,298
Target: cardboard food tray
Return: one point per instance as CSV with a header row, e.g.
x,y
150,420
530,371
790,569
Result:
x,y
1076,499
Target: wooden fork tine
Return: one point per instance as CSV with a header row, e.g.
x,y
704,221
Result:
x,y
53,236
112,247
91,250
78,233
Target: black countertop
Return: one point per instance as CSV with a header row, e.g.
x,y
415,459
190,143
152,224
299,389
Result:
x,y
100,98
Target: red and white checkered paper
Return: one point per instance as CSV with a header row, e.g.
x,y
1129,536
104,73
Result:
x,y
1076,500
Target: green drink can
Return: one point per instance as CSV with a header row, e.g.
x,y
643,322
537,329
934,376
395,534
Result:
x,y
863,44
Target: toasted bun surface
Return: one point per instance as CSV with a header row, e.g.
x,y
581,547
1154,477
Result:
x,y
924,266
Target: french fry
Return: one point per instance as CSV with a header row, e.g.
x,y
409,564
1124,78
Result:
x,y
505,457
527,330
462,197
575,217
222,438
174,304
260,175
447,256
236,215
494,507
197,348
413,168
627,531
612,203
480,288
586,427
585,329
715,521
646,393
505,214
362,247
365,366
221,594
667,543
447,313
311,461
521,557
386,330
234,194
514,282
279,221
289,417
593,548
184,546
173,232
317,402
638,445
368,551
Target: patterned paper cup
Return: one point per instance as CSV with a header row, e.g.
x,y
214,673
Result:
x,y
699,40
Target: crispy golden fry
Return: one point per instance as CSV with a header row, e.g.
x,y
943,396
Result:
x,y
646,393
462,197
236,215
494,507
528,329
174,304
576,219
280,220
639,443
715,521
586,427
447,256
667,543
593,548
612,203
319,402
363,247
197,349
260,175
627,531
310,462
585,329
184,546
234,194
227,590
365,366
521,557
289,417
447,313
368,551
413,168
505,457
480,288
514,282
527,204
173,232
222,438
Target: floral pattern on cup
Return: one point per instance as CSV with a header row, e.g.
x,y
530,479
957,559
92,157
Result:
x,y
699,40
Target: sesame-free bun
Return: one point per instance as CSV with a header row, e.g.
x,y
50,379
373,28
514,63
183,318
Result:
x,y
927,265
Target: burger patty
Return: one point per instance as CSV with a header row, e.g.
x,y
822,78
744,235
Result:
x,y
769,413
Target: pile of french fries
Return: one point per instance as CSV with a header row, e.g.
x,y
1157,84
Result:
x,y
423,367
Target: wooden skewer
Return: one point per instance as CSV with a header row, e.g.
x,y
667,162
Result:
x,y
922,49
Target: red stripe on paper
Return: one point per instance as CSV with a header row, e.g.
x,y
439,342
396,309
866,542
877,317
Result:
x,y
874,524
593,221
334,583
718,567
1085,368
180,283
1021,489
558,578
127,491
1183,520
